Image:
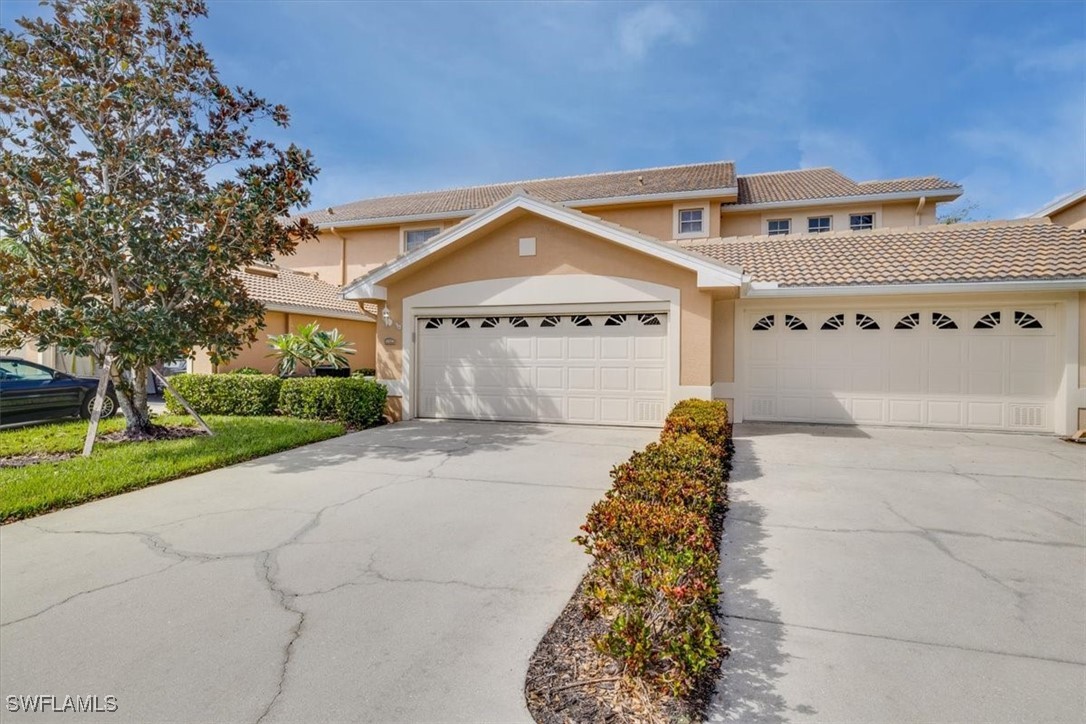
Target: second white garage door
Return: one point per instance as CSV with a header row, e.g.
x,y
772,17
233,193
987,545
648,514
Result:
x,y
992,367
609,369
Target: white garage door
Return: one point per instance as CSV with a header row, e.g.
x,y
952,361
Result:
x,y
957,367
609,369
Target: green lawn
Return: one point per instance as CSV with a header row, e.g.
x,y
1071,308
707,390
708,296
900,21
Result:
x,y
117,467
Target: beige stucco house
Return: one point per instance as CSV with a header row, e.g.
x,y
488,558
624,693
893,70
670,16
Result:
x,y
1068,211
797,296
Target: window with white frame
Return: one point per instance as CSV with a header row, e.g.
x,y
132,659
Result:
x,y
414,238
691,221
861,222
819,224
780,227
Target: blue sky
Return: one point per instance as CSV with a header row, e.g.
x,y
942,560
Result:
x,y
403,97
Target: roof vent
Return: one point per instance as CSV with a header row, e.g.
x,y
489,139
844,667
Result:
x,y
262,271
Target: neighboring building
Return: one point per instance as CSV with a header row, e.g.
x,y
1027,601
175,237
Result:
x,y
1070,211
291,299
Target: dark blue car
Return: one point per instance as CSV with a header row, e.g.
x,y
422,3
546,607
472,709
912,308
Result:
x,y
30,392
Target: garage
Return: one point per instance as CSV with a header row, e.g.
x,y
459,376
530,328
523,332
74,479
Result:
x,y
605,369
972,367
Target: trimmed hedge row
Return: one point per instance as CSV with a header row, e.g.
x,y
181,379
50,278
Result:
x,y
243,394
355,401
655,539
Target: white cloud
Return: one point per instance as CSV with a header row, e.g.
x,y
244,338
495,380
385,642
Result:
x,y
652,24
845,152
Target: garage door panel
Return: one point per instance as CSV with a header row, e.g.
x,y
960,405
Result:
x,y
990,368
592,369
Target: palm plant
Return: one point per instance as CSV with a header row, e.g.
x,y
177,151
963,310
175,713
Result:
x,y
310,346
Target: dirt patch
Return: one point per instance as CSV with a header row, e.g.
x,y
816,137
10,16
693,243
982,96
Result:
x,y
22,461
569,681
154,432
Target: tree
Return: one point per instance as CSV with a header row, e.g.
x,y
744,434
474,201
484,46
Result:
x,y
133,187
960,212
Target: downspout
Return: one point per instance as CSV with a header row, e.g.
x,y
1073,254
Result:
x,y
920,208
342,255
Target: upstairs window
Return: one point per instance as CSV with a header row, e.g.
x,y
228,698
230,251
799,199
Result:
x,y
691,221
819,224
861,222
780,227
414,238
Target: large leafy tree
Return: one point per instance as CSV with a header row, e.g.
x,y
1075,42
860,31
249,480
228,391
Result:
x,y
132,185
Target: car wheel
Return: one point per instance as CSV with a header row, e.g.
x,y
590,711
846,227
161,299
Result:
x,y
109,406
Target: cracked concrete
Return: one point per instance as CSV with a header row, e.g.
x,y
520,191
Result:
x,y
399,574
874,574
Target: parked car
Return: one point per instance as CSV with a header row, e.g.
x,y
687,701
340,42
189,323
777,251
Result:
x,y
30,392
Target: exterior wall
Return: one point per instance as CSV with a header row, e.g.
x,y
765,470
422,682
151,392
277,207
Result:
x,y
347,254
655,220
494,254
1074,216
363,335
1082,358
888,215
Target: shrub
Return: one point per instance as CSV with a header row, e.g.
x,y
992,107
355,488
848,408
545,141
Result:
x,y
357,402
654,539
241,394
707,418
364,372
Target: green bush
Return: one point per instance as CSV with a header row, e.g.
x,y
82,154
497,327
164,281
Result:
x,y
352,400
242,394
246,371
655,539
364,372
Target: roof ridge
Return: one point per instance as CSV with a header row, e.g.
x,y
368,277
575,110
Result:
x,y
883,231
527,180
903,178
792,170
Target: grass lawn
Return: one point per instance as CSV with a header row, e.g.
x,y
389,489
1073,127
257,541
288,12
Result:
x,y
117,467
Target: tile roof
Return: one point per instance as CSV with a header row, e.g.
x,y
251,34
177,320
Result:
x,y
637,182
275,285
824,183
980,252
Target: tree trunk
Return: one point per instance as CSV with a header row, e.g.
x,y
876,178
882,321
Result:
x,y
132,397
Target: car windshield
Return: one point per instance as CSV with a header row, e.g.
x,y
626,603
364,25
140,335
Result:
x,y
11,369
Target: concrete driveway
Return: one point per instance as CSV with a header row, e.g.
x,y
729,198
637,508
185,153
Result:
x,y
877,575
400,574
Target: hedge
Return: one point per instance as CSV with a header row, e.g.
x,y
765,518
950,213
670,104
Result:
x,y
356,401
242,394
655,539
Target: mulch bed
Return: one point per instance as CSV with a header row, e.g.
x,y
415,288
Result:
x,y
21,461
569,681
155,432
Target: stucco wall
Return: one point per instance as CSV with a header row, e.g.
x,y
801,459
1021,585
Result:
x,y
362,335
656,220
724,340
886,216
1073,216
347,254
494,254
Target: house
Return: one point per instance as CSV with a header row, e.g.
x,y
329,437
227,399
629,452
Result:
x,y
292,298
1069,211
798,296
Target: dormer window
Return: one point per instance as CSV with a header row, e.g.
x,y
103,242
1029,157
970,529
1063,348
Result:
x,y
819,224
861,222
414,238
779,227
